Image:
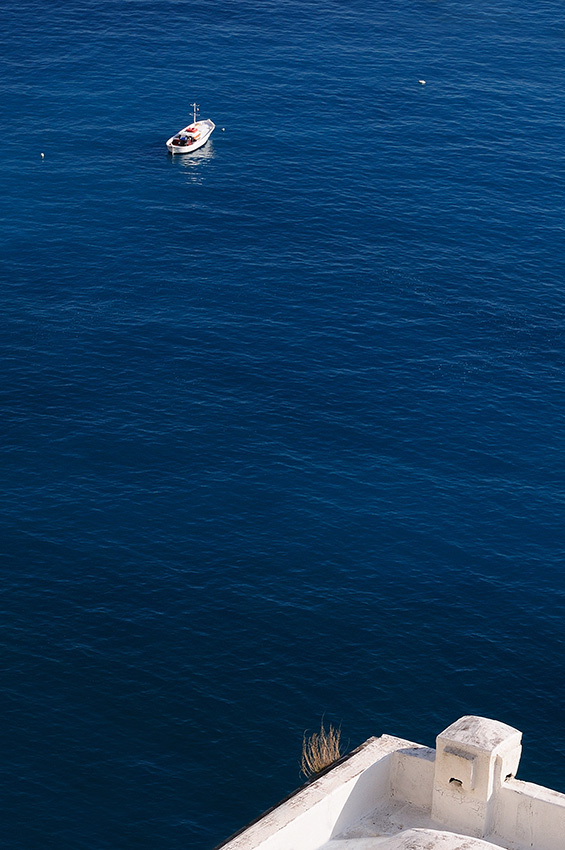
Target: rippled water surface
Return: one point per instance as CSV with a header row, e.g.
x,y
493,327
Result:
x,y
283,427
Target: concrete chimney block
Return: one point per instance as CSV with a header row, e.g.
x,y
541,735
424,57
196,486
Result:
x,y
474,756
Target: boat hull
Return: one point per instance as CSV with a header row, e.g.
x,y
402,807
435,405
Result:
x,y
205,129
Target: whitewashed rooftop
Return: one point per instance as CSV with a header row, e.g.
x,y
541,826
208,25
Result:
x,y
393,794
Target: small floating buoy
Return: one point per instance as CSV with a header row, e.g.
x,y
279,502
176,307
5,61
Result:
x,y
223,129
422,82
42,156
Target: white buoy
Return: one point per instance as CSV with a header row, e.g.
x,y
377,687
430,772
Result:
x,y
422,82
223,129
42,156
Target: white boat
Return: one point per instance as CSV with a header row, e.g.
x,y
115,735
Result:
x,y
193,136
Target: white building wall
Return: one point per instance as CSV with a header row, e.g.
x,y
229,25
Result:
x,y
530,816
412,776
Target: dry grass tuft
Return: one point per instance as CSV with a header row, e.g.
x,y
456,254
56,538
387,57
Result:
x,y
320,750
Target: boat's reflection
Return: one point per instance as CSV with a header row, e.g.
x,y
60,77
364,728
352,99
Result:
x,y
193,162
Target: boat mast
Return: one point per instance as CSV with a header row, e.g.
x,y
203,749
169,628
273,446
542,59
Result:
x,y
195,108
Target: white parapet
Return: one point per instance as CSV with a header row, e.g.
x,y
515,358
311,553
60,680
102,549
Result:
x,y
392,794
324,808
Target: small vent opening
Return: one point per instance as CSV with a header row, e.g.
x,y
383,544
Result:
x,y
456,782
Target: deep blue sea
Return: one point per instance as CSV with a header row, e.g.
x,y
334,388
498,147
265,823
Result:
x,y
283,422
